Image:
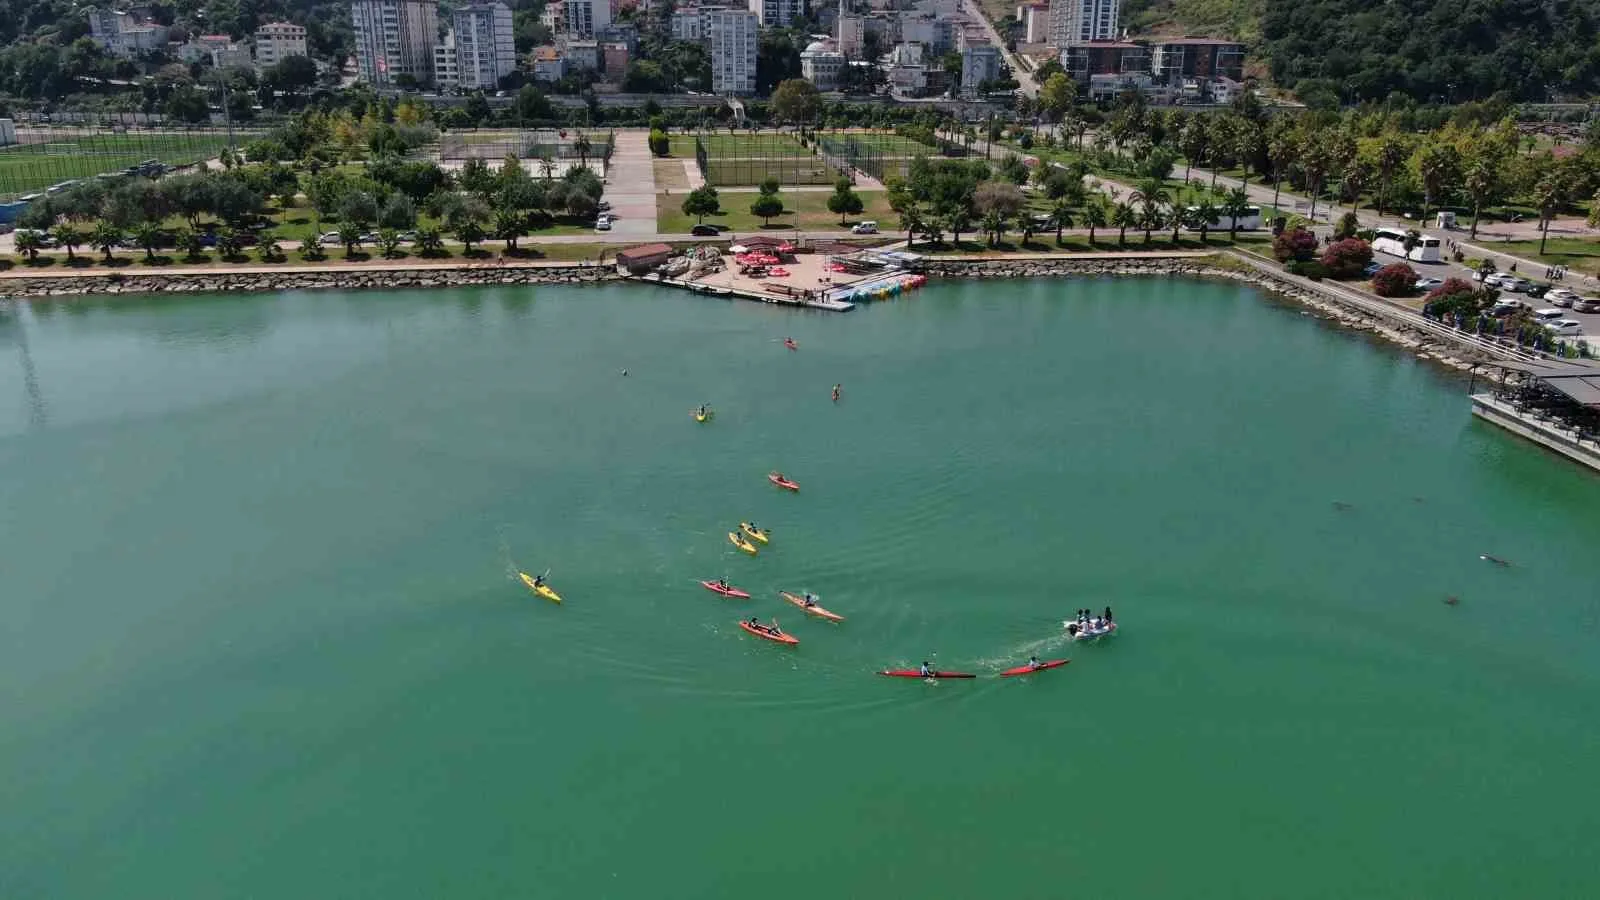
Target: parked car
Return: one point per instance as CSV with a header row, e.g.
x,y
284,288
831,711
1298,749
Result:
x,y
1586,304
703,230
45,240
329,237
1547,315
1505,306
603,205
1560,297
1484,275
867,227
1515,284
1372,269
602,225
1428,284
1566,327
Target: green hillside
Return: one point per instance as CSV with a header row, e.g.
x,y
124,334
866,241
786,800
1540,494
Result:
x,y
1356,50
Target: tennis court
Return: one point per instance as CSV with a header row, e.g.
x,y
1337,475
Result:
x,y
880,155
49,157
728,160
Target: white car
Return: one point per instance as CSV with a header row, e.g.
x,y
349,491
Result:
x,y
1565,327
1428,284
1546,316
865,228
1560,297
1586,304
1514,284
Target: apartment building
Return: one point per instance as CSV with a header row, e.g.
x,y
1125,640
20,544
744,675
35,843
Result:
x,y
732,34
395,38
777,13
123,33
584,18
277,41
1081,21
486,49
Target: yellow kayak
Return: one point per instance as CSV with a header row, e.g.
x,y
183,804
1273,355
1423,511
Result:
x,y
741,543
706,417
759,534
542,590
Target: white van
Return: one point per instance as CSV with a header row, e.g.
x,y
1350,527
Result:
x,y
866,227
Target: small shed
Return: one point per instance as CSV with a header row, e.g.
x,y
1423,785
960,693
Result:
x,y
641,259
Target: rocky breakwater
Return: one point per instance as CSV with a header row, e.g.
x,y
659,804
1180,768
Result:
x,y
1398,326
216,281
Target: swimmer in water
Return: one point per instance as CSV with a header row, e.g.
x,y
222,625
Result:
x,y
1495,559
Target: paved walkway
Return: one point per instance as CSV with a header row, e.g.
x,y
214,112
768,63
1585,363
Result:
x,y
631,188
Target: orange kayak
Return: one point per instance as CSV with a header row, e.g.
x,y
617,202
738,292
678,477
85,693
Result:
x,y
817,611
779,637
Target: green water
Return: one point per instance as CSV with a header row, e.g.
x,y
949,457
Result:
x,y
260,633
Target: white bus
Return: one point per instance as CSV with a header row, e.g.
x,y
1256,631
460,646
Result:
x,y
1393,242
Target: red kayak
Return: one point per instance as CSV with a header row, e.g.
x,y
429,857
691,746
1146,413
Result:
x,y
1029,670
729,591
790,344
783,482
914,673
762,632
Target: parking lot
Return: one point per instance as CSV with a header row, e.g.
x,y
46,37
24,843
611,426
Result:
x,y
1589,321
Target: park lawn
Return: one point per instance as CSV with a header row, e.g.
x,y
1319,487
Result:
x,y
740,145
811,206
1576,253
670,175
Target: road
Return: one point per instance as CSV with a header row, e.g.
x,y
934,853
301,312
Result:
x,y
1025,82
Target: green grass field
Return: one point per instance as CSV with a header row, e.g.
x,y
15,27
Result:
x,y
806,210
29,168
887,143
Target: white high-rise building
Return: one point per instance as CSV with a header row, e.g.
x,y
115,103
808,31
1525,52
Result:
x,y
777,13
447,63
395,38
277,41
585,17
732,34
486,50
1081,21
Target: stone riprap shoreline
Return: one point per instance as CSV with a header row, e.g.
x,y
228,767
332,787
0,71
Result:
x,y
259,280
1393,324
1396,325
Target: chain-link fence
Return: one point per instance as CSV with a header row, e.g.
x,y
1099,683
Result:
x,y
493,145
749,158
43,156
880,155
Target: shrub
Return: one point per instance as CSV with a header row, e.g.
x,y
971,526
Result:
x,y
1348,227
1308,269
1297,244
1395,280
659,142
1347,258
1457,297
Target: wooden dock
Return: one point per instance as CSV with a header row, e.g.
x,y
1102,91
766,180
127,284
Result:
x,y
773,297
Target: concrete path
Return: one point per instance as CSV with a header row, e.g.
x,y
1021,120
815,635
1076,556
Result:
x,y
631,189
691,170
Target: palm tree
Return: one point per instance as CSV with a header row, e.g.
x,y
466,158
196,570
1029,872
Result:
x,y
311,248
1234,206
993,222
106,237
429,241
192,243
1439,165
1062,214
29,242
350,237
389,242
469,232
911,221
547,166
229,243
509,224
1481,181
582,147
1548,195
1204,214
1094,216
66,236
1124,217
267,247
1391,153
1282,151
148,236
1314,162
1150,196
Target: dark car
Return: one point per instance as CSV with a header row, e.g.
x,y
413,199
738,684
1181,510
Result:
x,y
704,231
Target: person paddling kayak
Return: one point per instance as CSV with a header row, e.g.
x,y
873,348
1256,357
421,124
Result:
x,y
926,670
1033,662
836,391
810,600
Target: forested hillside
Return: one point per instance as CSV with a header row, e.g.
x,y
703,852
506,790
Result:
x,y
1429,50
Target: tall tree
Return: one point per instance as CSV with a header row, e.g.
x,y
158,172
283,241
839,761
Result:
x,y
1482,181
1391,153
1438,167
